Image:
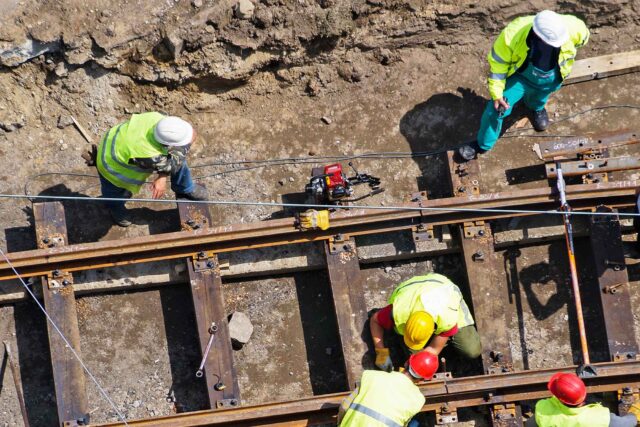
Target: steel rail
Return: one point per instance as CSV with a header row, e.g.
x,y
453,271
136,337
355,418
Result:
x,y
456,392
351,222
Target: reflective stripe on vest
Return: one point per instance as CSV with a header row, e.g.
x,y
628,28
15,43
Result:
x,y
384,399
374,414
109,169
552,413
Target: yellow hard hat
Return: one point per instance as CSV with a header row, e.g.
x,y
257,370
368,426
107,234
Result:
x,y
418,330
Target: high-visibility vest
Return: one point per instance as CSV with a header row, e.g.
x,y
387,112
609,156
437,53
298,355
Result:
x,y
388,399
553,413
510,50
434,294
129,140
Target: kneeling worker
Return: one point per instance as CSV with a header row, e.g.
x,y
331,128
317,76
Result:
x,y
388,398
566,407
131,151
427,311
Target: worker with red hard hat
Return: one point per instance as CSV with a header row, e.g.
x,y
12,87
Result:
x,y
388,398
428,311
567,408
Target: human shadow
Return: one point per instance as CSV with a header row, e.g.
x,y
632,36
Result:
x,y
187,392
320,330
89,221
443,122
534,281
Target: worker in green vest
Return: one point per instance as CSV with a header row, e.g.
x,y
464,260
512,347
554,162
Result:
x,y
567,408
388,399
427,311
131,151
528,61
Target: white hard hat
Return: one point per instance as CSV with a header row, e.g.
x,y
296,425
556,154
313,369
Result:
x,y
173,132
550,27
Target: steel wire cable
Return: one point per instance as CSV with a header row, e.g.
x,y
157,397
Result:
x,y
66,341
318,206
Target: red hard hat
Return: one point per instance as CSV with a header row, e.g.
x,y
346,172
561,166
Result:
x,y
423,365
568,388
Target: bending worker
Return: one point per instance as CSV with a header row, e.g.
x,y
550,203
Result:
x,y
427,311
567,408
529,60
131,151
388,399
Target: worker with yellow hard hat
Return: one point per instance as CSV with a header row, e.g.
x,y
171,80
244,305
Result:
x,y
428,311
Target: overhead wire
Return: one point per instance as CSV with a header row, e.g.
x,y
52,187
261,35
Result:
x,y
64,338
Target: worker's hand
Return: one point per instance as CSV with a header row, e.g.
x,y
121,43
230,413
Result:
x,y
500,102
383,360
312,219
159,187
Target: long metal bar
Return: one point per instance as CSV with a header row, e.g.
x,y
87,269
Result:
x,y
458,392
582,144
208,304
60,303
17,382
613,288
572,266
347,290
352,222
583,167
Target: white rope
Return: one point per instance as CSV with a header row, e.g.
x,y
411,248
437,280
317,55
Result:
x,y
68,344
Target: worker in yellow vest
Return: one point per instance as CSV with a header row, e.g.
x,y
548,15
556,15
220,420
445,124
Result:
x,y
566,408
427,311
388,399
528,61
131,151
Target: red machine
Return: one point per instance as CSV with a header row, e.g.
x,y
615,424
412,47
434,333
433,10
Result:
x,y
329,185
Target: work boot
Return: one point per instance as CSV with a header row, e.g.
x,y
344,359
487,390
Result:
x,y
469,151
120,218
540,120
199,193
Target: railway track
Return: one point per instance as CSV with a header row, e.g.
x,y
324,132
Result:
x,y
200,243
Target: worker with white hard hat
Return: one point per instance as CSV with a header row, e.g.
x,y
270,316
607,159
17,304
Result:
x,y
529,60
131,151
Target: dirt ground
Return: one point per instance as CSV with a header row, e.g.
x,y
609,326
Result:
x,y
392,76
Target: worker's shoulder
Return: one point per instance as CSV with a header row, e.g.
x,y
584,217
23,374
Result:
x,y
518,24
573,22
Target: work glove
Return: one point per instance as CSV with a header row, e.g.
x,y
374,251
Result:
x,y
312,219
383,360
90,155
635,410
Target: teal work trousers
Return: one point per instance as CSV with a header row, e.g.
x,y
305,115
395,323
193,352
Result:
x,y
521,86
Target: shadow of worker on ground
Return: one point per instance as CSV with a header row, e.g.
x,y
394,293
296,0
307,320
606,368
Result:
x,y
443,122
89,221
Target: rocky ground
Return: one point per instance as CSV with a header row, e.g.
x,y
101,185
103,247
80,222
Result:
x,y
398,76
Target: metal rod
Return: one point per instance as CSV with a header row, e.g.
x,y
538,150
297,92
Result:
x,y
16,381
572,265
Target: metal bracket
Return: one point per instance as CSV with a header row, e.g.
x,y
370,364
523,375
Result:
x,y
505,415
340,243
227,403
196,221
446,414
629,356
498,363
627,397
51,241
594,178
442,376
422,232
474,229
58,279
203,261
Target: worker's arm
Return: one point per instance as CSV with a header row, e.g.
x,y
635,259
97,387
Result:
x,y
500,58
377,331
578,31
628,420
436,344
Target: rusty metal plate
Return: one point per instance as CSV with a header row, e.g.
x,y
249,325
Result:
x,y
584,167
582,144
